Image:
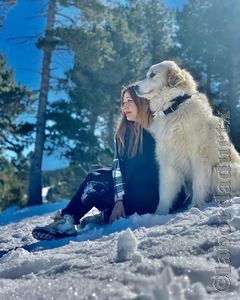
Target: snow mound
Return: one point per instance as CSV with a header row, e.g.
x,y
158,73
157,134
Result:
x,y
127,247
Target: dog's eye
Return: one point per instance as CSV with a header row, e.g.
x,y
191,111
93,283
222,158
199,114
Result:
x,y
152,75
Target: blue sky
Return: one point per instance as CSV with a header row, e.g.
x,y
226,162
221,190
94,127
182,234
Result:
x,y
23,20
23,58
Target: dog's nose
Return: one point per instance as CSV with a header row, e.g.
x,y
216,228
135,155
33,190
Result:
x,y
136,88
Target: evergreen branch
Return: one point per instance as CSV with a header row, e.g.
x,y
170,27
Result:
x,y
67,17
25,39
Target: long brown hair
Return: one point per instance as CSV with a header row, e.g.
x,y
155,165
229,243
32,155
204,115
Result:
x,y
144,118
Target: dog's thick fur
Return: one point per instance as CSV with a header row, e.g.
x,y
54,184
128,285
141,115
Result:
x,y
192,145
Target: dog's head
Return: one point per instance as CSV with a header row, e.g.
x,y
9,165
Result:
x,y
165,76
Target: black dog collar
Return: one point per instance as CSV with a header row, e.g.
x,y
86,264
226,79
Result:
x,y
176,102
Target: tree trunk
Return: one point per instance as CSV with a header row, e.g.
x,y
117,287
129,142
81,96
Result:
x,y
35,179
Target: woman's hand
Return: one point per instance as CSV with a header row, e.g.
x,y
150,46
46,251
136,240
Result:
x,y
117,212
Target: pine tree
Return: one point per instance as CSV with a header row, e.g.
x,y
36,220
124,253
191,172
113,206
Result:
x,y
209,46
233,35
47,45
106,55
15,137
14,101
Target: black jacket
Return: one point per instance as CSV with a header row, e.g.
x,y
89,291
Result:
x,y
141,177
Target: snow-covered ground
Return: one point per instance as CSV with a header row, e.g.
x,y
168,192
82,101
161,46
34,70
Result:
x,y
190,255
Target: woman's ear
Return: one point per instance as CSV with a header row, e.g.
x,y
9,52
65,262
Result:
x,y
175,76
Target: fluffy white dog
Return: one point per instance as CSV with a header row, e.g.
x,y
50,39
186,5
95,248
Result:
x,y
192,145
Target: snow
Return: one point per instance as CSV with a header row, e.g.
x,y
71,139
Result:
x,y
189,255
127,246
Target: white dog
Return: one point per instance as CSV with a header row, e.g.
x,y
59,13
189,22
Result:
x,y
192,145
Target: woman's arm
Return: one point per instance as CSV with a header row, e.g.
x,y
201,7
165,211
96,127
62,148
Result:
x,y
117,180
117,177
118,210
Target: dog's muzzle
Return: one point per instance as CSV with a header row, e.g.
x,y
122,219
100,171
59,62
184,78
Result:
x,y
138,93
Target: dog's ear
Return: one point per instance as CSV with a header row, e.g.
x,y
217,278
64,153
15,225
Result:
x,y
175,76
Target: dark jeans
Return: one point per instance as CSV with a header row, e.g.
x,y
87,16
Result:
x,y
96,190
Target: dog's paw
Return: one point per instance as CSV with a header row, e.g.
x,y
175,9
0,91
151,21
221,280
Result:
x,y
162,210
194,202
197,203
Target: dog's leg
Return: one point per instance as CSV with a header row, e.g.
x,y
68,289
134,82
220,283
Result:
x,y
170,185
202,177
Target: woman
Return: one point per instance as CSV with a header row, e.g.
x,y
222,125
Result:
x,y
130,187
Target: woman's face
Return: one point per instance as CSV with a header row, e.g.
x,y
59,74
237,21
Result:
x,y
129,108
